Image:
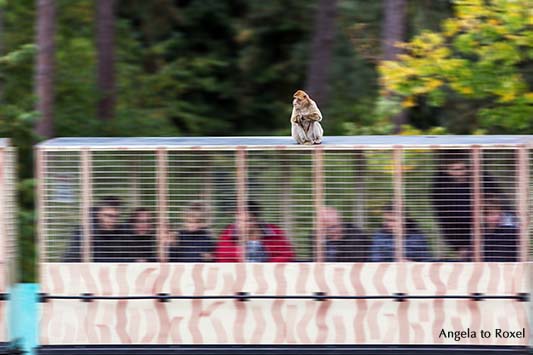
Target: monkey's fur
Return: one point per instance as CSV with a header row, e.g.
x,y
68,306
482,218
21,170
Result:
x,y
304,119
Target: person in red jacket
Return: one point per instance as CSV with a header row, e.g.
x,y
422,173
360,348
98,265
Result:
x,y
265,243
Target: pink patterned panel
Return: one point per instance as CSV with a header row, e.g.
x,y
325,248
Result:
x,y
281,321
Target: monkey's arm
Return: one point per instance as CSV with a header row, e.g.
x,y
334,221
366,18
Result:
x,y
314,113
315,116
295,116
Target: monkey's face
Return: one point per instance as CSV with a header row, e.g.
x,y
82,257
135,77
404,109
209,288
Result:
x,y
300,99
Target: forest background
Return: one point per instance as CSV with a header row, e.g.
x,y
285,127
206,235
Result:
x,y
229,68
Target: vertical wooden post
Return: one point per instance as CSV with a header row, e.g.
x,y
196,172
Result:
x,y
522,195
207,191
86,205
358,209
12,219
399,254
242,203
3,226
40,168
477,207
162,227
318,193
286,193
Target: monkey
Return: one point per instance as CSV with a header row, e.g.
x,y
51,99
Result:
x,y
305,119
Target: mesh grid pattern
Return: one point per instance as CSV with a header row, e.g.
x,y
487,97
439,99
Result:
x,y
201,205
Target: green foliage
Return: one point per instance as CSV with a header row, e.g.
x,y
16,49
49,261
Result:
x,y
208,67
482,55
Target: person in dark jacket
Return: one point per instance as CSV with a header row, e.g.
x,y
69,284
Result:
x,y
500,233
452,197
106,234
140,242
343,242
383,242
193,243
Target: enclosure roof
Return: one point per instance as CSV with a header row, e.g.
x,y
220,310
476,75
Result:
x,y
329,142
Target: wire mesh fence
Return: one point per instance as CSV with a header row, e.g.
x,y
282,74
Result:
x,y
7,219
271,204
61,210
10,210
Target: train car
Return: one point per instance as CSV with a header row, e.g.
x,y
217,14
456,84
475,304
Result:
x,y
360,245
7,235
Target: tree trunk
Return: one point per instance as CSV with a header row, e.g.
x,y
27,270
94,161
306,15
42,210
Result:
x,y
105,39
394,28
44,80
321,51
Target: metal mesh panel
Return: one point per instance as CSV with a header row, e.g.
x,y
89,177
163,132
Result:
x,y
452,197
89,213
61,214
10,210
124,206
202,200
421,174
530,202
281,183
500,194
358,186
199,205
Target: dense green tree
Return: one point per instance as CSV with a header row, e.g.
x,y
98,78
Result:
x,y
209,67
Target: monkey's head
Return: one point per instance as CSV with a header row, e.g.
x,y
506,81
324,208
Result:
x,y
301,99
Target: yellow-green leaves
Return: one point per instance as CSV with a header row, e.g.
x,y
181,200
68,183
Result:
x,y
479,54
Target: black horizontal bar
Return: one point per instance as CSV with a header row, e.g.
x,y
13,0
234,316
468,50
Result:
x,y
318,296
11,348
276,349
4,297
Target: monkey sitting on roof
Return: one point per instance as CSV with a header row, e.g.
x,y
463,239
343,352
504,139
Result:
x,y
305,119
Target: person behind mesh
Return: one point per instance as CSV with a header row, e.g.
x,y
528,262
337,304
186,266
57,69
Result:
x,y
383,242
193,243
140,242
343,242
453,200
266,242
106,233
500,232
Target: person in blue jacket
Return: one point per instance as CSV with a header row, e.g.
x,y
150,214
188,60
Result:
x,y
383,243
500,233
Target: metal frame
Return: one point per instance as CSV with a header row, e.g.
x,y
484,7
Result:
x,y
86,172
162,204
523,200
280,349
398,145
398,203
285,143
8,247
318,173
476,215
317,296
242,210
7,209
